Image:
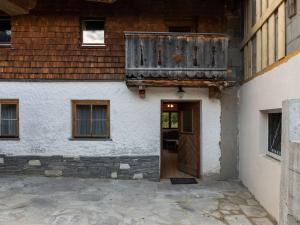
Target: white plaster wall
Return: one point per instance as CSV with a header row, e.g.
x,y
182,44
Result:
x,y
261,174
45,120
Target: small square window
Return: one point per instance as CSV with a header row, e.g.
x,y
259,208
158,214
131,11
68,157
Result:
x,y
5,31
92,32
274,128
170,120
9,121
91,119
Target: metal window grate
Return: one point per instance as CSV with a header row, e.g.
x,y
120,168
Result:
x,y
274,142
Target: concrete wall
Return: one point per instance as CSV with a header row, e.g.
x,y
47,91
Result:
x,y
229,133
293,31
261,173
45,120
290,178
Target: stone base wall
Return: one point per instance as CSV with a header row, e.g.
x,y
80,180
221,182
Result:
x,y
123,167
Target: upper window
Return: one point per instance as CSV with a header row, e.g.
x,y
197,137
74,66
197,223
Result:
x,y
274,139
92,32
5,31
91,119
9,121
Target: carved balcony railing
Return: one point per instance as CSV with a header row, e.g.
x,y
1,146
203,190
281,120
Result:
x,y
176,57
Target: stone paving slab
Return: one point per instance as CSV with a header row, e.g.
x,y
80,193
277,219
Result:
x,y
73,201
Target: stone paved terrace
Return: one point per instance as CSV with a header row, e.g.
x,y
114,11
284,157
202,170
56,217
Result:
x,y
70,201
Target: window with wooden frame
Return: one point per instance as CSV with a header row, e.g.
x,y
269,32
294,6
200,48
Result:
x,y
9,118
93,32
170,120
5,31
91,118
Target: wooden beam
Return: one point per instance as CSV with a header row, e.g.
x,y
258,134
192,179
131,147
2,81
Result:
x,y
11,8
103,1
271,39
14,7
266,13
177,83
281,31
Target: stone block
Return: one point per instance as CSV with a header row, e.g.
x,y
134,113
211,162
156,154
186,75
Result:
x,y
53,173
124,166
138,176
114,175
34,163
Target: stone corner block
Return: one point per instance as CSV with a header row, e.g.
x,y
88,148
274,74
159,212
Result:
x,y
53,173
124,166
34,163
114,175
138,176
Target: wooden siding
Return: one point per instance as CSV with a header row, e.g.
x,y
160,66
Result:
x,y
176,56
46,44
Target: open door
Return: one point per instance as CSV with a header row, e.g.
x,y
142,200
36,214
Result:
x,y
189,138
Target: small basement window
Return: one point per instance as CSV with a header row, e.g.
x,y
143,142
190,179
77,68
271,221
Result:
x,y
9,118
274,128
91,119
5,31
92,32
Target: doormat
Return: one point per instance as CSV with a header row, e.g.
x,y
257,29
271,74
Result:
x,y
183,181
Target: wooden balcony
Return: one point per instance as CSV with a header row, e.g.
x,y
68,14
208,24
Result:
x,y
176,59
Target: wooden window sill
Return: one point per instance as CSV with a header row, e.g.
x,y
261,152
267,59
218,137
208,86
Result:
x,y
5,45
9,139
90,139
100,46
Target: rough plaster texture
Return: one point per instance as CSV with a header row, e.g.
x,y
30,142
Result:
x,y
229,133
260,173
290,178
61,201
293,31
45,120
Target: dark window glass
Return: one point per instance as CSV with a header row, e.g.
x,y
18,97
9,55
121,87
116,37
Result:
x,y
91,121
5,31
274,142
187,121
8,120
180,29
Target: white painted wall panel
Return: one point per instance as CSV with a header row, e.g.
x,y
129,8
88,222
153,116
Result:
x,y
45,120
260,173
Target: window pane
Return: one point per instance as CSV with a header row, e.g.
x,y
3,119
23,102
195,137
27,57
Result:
x,y
5,31
187,118
8,120
274,141
83,119
93,32
174,120
165,120
99,121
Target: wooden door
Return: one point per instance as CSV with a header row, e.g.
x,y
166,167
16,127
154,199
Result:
x,y
189,139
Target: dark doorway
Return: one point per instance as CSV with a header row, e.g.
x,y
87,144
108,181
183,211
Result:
x,y
180,139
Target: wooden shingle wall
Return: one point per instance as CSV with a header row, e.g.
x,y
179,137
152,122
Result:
x,y
46,44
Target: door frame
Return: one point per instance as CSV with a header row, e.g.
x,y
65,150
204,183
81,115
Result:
x,y
199,135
